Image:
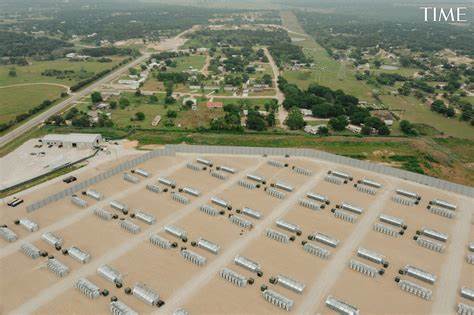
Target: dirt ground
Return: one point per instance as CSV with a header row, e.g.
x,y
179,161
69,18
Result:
x,y
29,287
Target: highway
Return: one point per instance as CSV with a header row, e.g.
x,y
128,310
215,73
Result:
x,y
170,44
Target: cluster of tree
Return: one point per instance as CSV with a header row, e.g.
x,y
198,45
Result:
x,y
113,21
58,74
390,78
13,44
285,53
407,128
230,121
340,31
108,51
20,61
439,107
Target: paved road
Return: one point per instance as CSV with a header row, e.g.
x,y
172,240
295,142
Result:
x,y
170,44
282,112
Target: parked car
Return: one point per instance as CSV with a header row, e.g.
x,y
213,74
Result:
x,y
69,179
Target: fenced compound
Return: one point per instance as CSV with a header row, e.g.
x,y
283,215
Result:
x,y
146,294
160,241
180,198
99,178
87,288
320,155
29,225
52,239
233,277
209,210
415,289
109,274
218,175
30,250
130,226
79,202
103,214
193,257
79,255
275,193
247,184
238,220
340,306
302,171
57,267
130,178
277,236
277,299
316,250
363,268
7,234
145,217
120,308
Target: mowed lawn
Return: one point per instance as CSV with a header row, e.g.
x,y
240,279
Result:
x,y
17,100
32,73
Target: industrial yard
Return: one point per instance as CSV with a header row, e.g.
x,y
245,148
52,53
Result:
x,y
209,231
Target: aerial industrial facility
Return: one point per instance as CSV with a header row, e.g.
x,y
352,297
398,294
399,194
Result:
x,y
227,230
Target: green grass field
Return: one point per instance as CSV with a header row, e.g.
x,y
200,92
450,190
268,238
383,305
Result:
x,y
32,73
327,71
184,63
19,99
411,109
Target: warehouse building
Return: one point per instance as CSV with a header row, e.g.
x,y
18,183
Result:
x,y
73,140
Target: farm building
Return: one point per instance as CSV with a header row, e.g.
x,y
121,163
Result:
x,y
73,140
